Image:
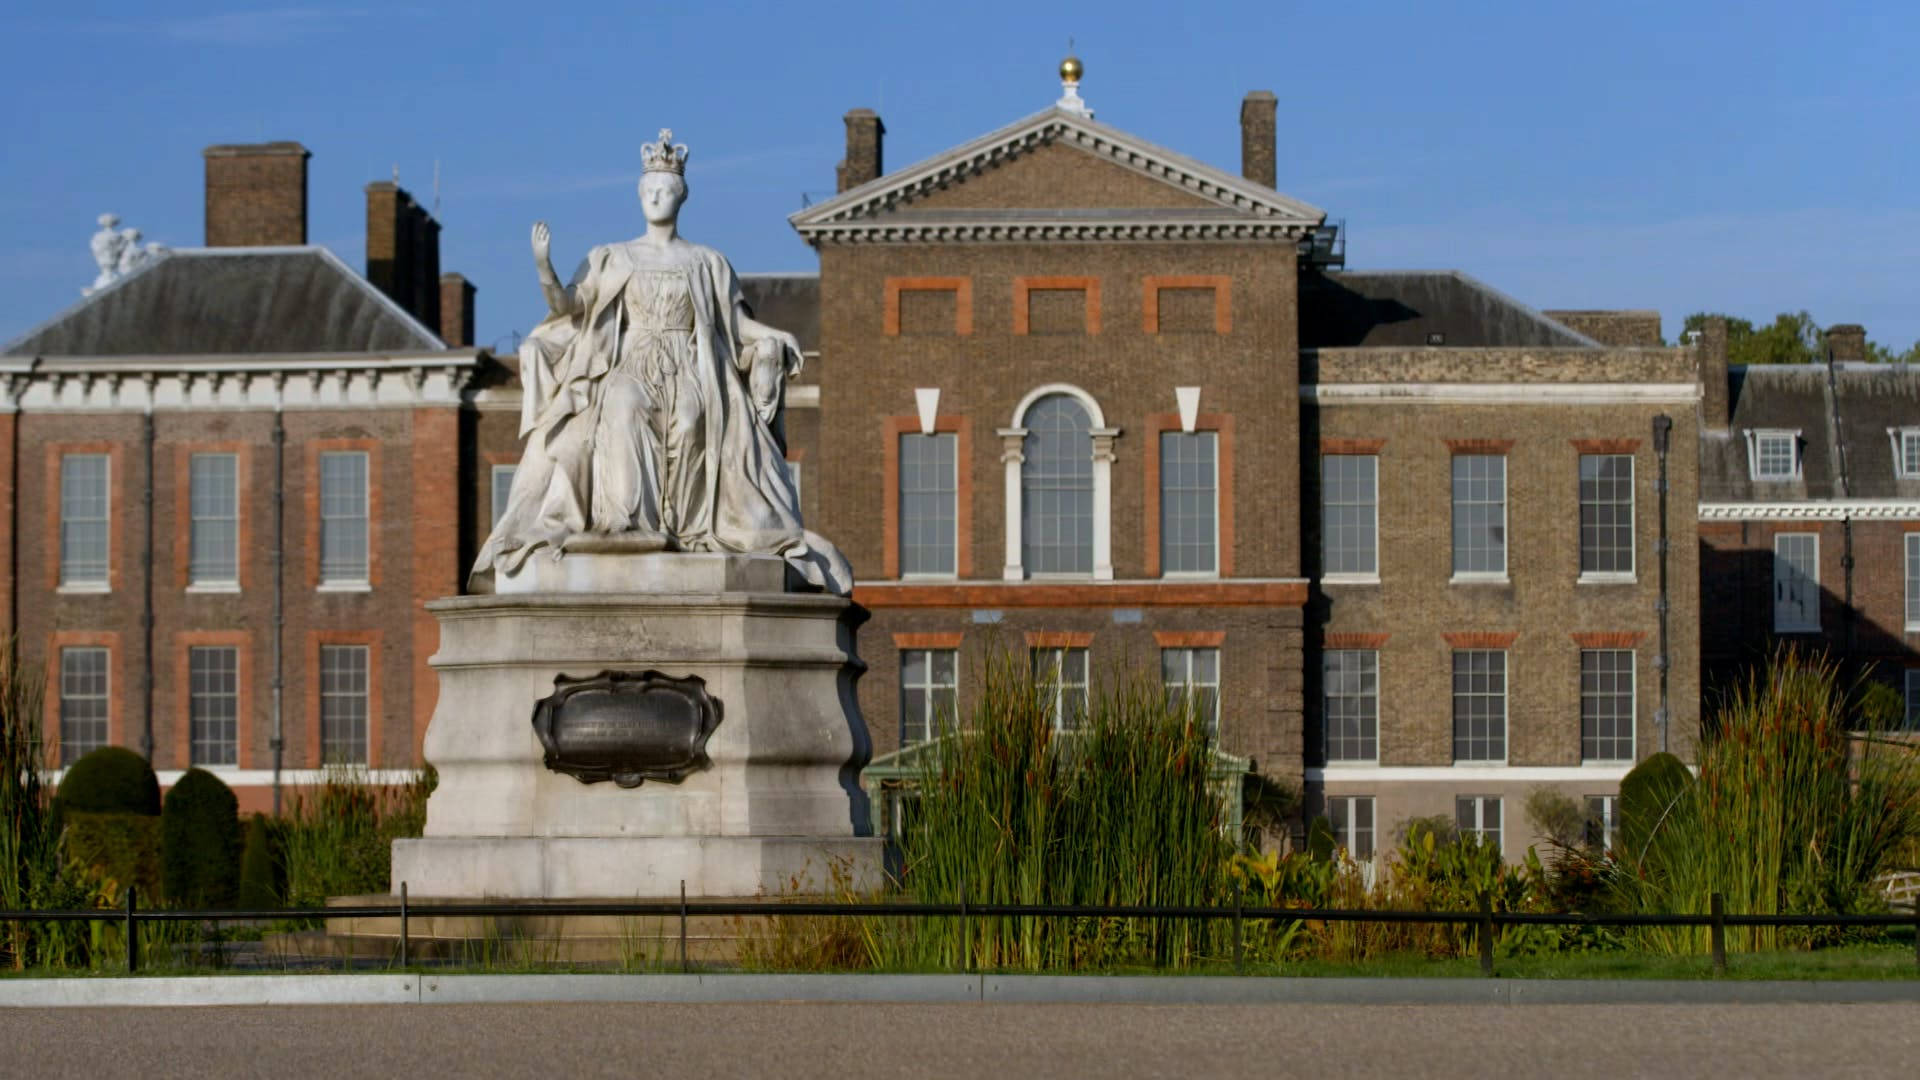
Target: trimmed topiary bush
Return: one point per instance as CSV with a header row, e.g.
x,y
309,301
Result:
x,y
110,780
114,851
200,842
1648,801
259,867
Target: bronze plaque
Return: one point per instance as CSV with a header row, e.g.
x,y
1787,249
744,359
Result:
x,y
627,727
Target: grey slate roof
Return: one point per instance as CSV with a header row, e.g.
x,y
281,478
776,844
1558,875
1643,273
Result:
x,y
790,302
1852,415
1398,308
232,301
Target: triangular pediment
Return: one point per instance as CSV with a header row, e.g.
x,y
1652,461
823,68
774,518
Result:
x,y
1057,175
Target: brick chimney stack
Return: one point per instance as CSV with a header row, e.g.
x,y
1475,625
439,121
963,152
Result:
x,y
256,194
456,310
1259,146
863,162
1710,351
1847,342
403,251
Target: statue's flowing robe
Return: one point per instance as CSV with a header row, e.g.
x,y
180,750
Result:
x,y
743,501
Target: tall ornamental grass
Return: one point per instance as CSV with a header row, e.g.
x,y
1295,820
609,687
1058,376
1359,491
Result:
x,y
337,838
1796,809
1119,810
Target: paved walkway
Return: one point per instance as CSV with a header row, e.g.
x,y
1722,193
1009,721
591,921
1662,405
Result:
x,y
793,1041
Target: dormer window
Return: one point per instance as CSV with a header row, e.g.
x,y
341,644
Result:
x,y
1773,454
1906,451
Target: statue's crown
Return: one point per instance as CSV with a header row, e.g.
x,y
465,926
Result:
x,y
663,156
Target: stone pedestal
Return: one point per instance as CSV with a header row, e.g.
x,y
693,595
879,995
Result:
x,y
777,804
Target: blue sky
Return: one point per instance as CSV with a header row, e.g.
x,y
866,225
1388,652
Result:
x,y
1747,157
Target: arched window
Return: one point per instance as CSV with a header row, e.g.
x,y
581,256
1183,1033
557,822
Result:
x,y
1059,477
1056,488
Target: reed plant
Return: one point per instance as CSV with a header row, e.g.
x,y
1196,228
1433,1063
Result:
x,y
338,835
29,846
1796,809
1116,807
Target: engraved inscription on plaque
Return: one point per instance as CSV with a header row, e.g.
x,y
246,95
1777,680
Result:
x,y
627,727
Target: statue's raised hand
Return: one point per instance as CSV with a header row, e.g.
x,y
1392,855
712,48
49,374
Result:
x,y
542,244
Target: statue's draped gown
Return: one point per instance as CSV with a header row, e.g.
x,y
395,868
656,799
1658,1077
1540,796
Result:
x,y
642,422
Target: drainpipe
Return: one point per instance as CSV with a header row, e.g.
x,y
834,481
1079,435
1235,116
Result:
x,y
1847,613
279,594
1662,429
146,561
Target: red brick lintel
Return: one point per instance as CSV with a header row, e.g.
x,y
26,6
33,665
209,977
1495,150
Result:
x,y
1351,640
1331,445
1189,639
1479,446
1481,639
1069,639
1116,595
927,641
1606,446
1609,639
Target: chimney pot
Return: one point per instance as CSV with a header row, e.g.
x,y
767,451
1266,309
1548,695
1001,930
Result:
x,y
256,194
1259,147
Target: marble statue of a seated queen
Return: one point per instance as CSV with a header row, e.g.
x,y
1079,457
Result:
x,y
651,408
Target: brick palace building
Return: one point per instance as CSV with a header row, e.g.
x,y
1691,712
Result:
x,y
1417,547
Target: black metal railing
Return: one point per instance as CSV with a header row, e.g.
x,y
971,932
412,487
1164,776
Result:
x,y
1486,921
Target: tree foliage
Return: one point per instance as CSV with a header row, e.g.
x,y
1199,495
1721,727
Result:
x,y
1791,338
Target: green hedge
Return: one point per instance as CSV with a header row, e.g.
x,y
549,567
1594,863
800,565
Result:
x,y
110,780
200,842
116,850
260,867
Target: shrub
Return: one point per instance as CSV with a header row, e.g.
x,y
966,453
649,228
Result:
x,y
1650,798
260,886
1557,816
110,780
112,851
200,842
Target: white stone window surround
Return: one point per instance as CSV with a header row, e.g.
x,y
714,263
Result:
x,y
1013,456
1906,451
1762,449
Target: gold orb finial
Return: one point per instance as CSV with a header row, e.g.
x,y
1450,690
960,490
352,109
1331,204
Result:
x,y
1071,69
